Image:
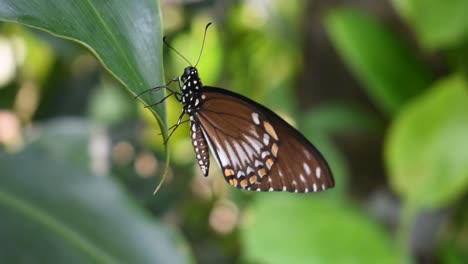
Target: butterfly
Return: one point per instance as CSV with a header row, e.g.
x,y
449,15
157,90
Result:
x,y
255,148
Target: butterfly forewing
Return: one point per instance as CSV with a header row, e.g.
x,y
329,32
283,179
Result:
x,y
256,149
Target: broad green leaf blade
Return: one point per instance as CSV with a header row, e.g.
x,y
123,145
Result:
x,y
54,212
342,118
437,23
427,147
307,229
124,35
389,71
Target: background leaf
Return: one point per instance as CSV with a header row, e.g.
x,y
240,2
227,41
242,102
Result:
x,y
389,71
427,147
308,229
124,35
84,219
437,23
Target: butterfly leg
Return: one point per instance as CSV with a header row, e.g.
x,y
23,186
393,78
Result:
x,y
166,86
174,127
162,100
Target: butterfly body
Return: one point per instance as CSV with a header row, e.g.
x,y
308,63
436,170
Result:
x,y
255,148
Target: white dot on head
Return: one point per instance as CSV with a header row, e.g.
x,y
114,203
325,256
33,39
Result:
x,y
317,172
255,118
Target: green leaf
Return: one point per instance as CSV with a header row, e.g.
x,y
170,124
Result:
x,y
438,23
125,36
427,147
342,118
52,212
291,228
390,72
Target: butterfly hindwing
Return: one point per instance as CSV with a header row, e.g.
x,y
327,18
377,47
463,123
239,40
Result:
x,y
256,149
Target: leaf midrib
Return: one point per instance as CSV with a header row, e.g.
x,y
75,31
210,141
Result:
x,y
116,44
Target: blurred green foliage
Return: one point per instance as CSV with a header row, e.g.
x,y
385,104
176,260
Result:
x,y
80,157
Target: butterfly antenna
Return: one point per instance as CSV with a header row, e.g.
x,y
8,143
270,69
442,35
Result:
x,y
203,44
178,53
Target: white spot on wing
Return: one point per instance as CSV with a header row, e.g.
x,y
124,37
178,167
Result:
x,y
314,186
255,118
284,188
302,178
235,161
306,168
258,163
249,150
241,154
254,143
266,139
271,189
317,172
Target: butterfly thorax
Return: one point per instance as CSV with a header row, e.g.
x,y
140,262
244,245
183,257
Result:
x,y
191,90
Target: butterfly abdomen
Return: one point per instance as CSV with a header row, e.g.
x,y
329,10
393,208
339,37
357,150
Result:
x,y
201,147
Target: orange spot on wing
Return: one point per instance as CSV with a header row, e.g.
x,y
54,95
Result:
x,y
233,182
262,172
228,172
253,179
270,163
269,129
274,149
244,183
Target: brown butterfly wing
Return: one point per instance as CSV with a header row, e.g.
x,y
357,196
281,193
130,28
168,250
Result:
x,y
256,149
